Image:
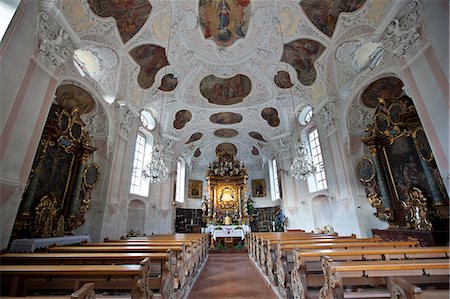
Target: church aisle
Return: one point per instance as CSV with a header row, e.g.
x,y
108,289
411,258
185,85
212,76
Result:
x,y
230,276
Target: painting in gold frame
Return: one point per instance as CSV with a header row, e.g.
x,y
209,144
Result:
x,y
195,189
259,188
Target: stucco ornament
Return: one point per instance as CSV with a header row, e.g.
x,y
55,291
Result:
x,y
358,118
55,46
327,116
126,121
96,122
403,32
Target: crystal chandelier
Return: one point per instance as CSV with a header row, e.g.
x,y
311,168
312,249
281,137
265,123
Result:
x,y
156,169
302,166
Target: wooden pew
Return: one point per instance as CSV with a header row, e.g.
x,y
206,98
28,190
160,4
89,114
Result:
x,y
341,274
85,292
134,278
307,268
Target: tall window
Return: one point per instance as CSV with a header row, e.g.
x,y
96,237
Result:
x,y
142,155
181,177
318,181
274,182
7,10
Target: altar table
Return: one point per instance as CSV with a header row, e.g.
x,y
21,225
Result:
x,y
29,245
226,231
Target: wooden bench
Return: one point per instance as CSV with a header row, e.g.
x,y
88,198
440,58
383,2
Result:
x,y
307,270
340,275
134,278
85,292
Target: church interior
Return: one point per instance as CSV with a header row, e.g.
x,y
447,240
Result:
x,y
284,146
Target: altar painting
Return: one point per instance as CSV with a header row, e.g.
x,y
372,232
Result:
x,y
228,198
195,189
224,21
259,188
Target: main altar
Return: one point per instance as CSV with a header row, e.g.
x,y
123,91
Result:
x,y
225,208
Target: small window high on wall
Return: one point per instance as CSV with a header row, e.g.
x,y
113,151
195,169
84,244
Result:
x,y
142,156
274,181
181,177
318,181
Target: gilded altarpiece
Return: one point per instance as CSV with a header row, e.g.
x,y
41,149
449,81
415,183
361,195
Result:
x,y
401,177
58,190
227,186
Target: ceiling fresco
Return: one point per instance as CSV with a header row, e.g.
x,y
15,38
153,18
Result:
x,y
70,96
256,136
302,54
168,83
226,149
226,133
388,87
225,118
324,13
225,91
194,137
224,21
130,15
151,59
182,117
271,115
230,66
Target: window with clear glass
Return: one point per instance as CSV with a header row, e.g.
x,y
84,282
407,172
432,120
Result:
x,y
318,181
274,180
142,154
7,10
181,177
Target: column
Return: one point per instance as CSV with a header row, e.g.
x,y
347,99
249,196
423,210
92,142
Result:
x,y
75,202
385,198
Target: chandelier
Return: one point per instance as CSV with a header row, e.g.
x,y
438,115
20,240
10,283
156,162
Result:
x,y
156,170
302,166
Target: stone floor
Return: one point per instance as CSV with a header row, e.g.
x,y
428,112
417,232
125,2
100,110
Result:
x,y
230,276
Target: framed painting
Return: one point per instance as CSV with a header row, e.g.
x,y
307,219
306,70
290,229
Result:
x,y
259,188
195,189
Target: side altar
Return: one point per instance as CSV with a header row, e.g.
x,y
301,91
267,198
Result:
x,y
225,209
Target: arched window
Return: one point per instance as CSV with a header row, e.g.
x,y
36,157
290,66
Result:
x,y
274,181
181,177
8,8
318,181
142,156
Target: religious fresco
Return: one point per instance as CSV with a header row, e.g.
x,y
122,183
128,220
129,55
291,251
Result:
x,y
226,133
70,96
255,151
168,83
324,13
225,91
151,59
197,153
226,149
271,115
257,136
194,137
224,21
283,80
130,15
302,54
182,117
385,88
225,118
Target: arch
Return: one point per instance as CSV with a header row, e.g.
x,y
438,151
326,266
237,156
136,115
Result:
x,y
136,216
321,210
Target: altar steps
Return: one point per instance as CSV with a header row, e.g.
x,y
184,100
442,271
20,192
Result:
x,y
229,250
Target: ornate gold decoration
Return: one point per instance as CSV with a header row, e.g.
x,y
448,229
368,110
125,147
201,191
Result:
x,y
365,170
422,146
416,210
46,212
91,174
375,200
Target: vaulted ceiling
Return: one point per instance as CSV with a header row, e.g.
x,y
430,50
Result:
x,y
233,73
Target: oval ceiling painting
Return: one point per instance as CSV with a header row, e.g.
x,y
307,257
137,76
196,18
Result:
x,y
226,118
226,149
271,115
194,137
226,133
224,21
151,59
168,83
283,80
324,14
197,153
302,54
70,96
257,136
130,15
182,117
255,151
388,87
225,91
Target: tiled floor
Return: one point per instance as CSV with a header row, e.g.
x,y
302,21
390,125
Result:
x,y
230,276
